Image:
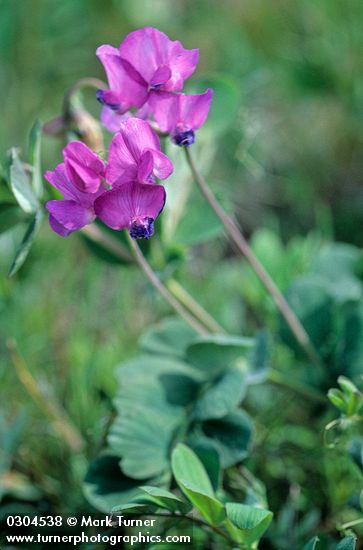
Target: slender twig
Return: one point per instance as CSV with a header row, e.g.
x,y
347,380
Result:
x,y
194,307
241,243
100,237
53,410
155,281
87,82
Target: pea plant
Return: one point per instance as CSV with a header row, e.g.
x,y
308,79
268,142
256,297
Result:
x,y
188,442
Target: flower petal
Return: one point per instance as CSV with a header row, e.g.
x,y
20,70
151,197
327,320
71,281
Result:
x,y
126,149
194,109
58,228
180,111
129,91
111,119
165,108
182,64
71,215
59,179
83,167
148,50
163,166
118,207
161,76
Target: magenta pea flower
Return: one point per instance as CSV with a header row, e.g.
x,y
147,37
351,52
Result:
x,y
134,163
83,167
146,63
133,206
135,155
76,209
181,114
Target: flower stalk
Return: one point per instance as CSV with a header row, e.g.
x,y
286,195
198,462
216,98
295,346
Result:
x,y
158,285
241,243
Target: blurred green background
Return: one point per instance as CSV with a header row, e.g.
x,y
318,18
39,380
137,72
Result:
x,y
291,161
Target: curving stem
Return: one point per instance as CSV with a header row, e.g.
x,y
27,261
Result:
x,y
155,281
241,243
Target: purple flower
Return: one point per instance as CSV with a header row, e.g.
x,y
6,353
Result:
x,y
134,161
133,206
180,114
135,155
76,209
135,200
146,63
83,167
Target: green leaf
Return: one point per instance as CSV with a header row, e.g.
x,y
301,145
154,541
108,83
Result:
x,y
348,543
135,508
193,480
105,486
336,263
20,185
223,396
336,397
199,223
259,358
314,306
312,544
34,158
209,457
171,337
165,499
24,247
230,436
151,403
252,522
10,215
215,354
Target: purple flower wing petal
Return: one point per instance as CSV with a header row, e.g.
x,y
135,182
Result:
x,y
83,167
161,76
163,166
129,91
119,207
70,214
127,146
112,120
194,109
182,64
154,163
165,108
146,167
149,51
186,112
59,179
58,228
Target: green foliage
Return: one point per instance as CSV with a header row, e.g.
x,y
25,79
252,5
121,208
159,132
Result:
x,y
349,400
328,301
26,189
252,522
193,480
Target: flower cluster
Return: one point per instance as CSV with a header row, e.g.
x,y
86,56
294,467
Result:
x,y
123,192
147,73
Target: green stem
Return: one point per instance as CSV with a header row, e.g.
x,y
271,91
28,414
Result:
x,y
200,522
241,243
194,307
94,233
168,297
